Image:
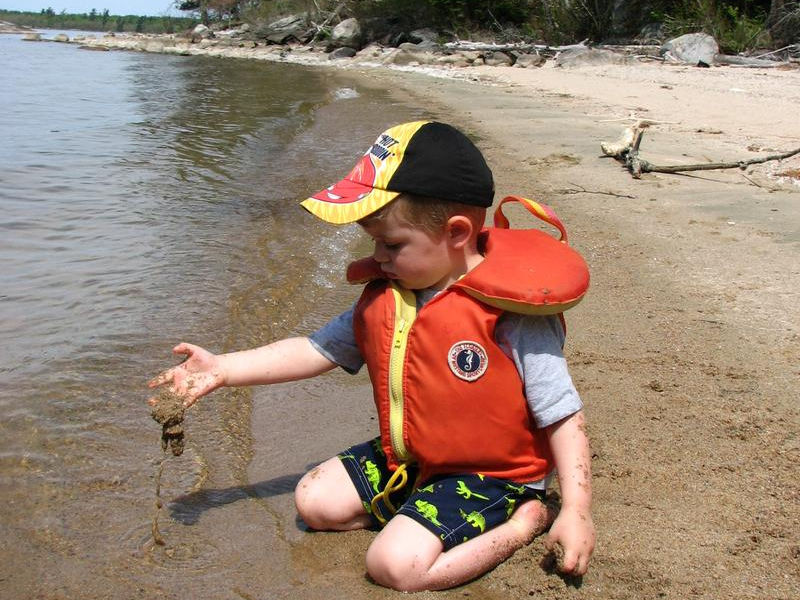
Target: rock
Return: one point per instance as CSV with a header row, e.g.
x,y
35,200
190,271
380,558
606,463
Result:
x,y
405,57
692,48
586,57
201,32
371,52
32,37
497,59
525,61
343,52
95,48
293,27
347,33
424,35
61,37
453,60
154,46
412,47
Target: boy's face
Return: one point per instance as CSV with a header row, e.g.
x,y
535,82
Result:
x,y
409,255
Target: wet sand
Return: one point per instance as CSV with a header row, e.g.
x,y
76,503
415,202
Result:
x,y
685,350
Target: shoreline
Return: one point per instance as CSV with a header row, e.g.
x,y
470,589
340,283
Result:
x,y
685,350
683,96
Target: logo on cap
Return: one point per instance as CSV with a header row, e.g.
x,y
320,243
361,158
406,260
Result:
x,y
467,360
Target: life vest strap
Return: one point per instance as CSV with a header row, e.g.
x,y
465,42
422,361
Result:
x,y
540,211
392,486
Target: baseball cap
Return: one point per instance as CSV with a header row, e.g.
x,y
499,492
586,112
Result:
x,y
424,158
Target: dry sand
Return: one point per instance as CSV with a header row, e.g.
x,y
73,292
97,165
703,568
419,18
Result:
x,y
686,349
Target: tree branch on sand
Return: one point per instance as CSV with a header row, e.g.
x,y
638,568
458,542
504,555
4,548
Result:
x,y
626,150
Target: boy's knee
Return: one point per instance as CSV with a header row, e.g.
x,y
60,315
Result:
x,y
389,569
309,501
326,499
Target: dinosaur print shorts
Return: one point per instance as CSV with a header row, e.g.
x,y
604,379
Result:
x,y
456,508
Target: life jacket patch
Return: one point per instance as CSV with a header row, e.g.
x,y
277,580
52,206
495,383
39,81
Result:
x,y
467,360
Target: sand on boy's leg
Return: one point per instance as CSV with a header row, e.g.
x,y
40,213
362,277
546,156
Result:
x,y
408,557
326,499
405,555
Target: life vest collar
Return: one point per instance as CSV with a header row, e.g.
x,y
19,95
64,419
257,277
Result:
x,y
525,271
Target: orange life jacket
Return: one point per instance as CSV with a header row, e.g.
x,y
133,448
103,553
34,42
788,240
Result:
x,y
447,395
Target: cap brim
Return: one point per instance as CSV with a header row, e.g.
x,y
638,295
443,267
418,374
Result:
x,y
347,202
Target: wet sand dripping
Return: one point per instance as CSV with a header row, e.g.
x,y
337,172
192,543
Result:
x,y
169,413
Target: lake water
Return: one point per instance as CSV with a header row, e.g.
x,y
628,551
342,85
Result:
x,y
147,199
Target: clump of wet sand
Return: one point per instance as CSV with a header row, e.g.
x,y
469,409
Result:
x,y
169,412
553,561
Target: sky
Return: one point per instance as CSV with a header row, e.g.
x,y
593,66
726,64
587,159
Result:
x,y
153,8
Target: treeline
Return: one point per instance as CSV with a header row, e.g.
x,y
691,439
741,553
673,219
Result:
x,y
736,24
98,21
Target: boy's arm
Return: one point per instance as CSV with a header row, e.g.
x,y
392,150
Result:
x,y
573,528
203,372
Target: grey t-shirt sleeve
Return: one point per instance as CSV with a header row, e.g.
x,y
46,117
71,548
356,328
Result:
x,y
336,341
535,344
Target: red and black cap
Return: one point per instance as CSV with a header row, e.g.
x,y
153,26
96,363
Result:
x,y
424,158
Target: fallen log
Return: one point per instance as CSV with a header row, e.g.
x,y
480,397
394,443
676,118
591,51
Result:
x,y
520,47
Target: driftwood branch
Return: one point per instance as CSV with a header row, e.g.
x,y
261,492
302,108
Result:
x,y
520,47
626,150
583,190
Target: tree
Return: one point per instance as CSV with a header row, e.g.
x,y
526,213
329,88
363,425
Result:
x,y
784,22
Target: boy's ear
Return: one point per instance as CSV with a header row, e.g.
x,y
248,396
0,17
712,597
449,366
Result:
x,y
459,230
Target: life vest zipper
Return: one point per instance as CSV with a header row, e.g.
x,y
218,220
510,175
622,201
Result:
x,y
405,303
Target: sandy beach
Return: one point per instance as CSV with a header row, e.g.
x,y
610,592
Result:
x,y
686,349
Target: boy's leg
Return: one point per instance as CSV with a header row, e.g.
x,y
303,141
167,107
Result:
x,y
326,499
409,557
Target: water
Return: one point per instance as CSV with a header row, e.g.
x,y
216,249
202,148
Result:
x,y
144,200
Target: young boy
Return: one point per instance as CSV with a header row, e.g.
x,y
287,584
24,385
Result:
x,y
475,404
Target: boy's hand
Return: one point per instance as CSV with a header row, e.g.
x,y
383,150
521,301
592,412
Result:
x,y
200,374
574,530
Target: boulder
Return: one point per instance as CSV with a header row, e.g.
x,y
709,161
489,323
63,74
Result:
x,y
293,27
405,57
202,32
525,61
346,34
154,46
497,59
453,60
32,37
343,52
61,37
423,35
692,49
